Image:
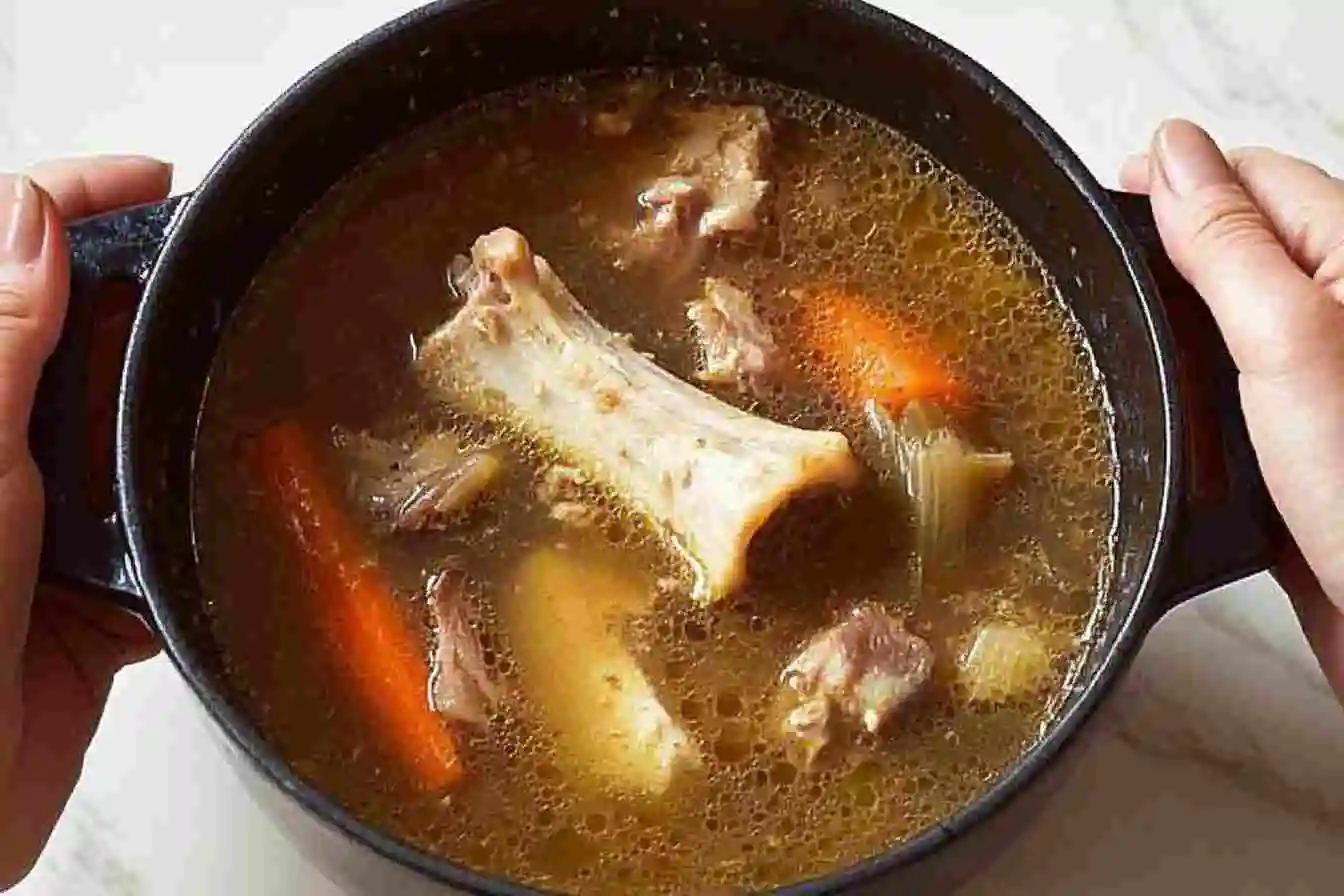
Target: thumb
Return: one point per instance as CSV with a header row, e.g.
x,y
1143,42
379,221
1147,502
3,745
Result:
x,y
33,288
33,272
1274,317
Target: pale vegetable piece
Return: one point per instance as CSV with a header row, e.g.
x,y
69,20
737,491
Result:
x,y
707,475
1005,662
736,347
563,618
942,475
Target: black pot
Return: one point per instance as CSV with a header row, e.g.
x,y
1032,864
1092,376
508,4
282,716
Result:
x,y
1192,510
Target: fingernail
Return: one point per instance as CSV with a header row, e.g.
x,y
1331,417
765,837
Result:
x,y
1188,159
23,224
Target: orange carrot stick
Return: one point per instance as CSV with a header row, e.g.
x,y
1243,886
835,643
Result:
x,y
383,659
869,357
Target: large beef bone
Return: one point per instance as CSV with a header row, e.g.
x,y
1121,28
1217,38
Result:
x,y
706,474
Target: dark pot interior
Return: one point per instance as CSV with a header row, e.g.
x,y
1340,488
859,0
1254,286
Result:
x,y
427,63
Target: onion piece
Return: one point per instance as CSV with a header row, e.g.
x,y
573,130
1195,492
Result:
x,y
942,476
1005,662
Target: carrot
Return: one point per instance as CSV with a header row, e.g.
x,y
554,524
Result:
x,y
869,357
383,659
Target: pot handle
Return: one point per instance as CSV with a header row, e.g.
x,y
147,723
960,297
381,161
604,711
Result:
x,y
1228,527
84,546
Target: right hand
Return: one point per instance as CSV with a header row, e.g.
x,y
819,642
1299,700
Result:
x,y
1260,235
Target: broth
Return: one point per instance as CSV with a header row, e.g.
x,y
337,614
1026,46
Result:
x,y
326,336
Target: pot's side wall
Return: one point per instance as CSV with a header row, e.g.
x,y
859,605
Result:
x,y
357,870
449,53
345,862
965,857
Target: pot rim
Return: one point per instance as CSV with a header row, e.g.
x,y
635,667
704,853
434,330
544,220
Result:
x,y
243,736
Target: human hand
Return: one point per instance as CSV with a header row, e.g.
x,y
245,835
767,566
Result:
x,y
1260,235
58,650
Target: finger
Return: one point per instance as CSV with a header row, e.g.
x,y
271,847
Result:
x,y
33,287
1272,315
87,186
67,675
1323,624
1305,207
1303,203
129,640
20,534
1322,621
1134,173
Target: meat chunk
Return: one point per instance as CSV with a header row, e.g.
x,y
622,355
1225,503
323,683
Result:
x,y
860,671
707,475
723,148
460,684
669,228
735,344
420,486
714,185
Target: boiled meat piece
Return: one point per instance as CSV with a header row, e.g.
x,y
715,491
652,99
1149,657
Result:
x,y
419,486
460,684
723,148
861,670
669,227
736,346
714,184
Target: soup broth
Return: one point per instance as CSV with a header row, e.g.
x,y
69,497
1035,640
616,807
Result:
x,y
326,339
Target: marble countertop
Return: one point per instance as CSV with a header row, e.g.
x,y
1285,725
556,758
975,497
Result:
x,y
1219,765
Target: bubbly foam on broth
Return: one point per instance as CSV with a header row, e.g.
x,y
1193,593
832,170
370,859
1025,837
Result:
x,y
325,337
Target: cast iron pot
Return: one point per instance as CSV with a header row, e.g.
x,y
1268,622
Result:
x,y
1192,512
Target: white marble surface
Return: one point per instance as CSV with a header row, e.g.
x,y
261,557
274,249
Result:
x,y
1219,766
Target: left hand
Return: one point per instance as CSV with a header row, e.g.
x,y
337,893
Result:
x,y
58,650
